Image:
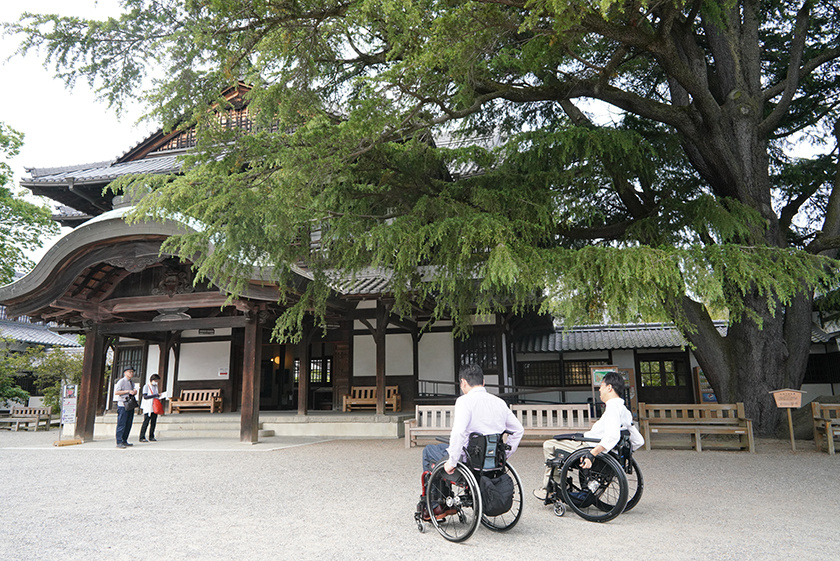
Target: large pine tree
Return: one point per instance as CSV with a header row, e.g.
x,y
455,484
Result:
x,y
631,155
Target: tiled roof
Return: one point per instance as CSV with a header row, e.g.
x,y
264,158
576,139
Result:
x,y
603,337
633,336
104,171
35,334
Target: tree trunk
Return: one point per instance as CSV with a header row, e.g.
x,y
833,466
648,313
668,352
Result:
x,y
752,360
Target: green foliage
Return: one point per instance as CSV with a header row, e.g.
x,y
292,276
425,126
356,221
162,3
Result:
x,y
10,366
23,225
631,154
52,369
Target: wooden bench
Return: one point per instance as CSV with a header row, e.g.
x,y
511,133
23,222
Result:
x,y
197,400
429,421
25,415
549,420
538,420
364,397
697,420
826,424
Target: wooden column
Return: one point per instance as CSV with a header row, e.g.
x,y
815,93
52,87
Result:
x,y
382,313
250,419
163,359
93,367
303,371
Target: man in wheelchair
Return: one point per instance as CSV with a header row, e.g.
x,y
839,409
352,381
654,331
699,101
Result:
x,y
479,420
607,430
476,411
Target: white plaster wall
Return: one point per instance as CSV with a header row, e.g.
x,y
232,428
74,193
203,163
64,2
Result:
x,y
437,357
398,355
152,361
624,359
364,355
202,361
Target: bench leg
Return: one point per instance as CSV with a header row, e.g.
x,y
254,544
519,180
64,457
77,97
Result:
x,y
829,436
697,445
818,438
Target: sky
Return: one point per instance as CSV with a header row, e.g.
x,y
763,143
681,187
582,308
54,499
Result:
x,y
60,126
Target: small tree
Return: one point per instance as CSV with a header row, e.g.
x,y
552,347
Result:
x,y
23,225
9,367
53,368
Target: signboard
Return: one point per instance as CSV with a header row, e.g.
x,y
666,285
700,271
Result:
x,y
598,373
68,404
704,388
224,372
788,399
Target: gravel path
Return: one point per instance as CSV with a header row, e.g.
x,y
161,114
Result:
x,y
301,499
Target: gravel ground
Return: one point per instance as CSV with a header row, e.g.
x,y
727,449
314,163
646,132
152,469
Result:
x,y
304,499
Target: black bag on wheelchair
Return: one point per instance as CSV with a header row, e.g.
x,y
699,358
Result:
x,y
496,494
487,455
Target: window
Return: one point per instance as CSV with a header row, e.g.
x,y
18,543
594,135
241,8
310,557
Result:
x,y
320,370
555,373
480,349
662,373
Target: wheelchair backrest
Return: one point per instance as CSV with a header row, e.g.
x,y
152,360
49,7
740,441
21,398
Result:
x,y
486,452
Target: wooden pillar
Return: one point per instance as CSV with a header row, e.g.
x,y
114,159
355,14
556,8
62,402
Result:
x,y
303,371
93,367
250,419
163,359
382,313
341,372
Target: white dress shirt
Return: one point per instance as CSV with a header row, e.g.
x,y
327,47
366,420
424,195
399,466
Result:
x,y
484,413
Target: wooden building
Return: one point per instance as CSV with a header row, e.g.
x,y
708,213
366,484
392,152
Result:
x,y
109,280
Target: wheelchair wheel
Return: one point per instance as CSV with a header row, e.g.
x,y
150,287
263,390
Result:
x,y
454,502
598,494
635,485
508,520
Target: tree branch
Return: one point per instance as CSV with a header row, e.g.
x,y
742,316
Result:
x,y
800,33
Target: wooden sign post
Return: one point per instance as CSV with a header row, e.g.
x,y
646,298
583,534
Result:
x,y
789,399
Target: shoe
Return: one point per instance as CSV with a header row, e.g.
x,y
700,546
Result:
x,y
129,444
152,439
121,445
541,494
144,440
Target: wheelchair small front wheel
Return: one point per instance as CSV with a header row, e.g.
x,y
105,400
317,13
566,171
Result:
x,y
559,509
454,502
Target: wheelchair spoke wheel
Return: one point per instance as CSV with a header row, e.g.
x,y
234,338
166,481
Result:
x,y
507,520
635,485
598,494
454,502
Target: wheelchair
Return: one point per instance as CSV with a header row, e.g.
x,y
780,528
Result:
x,y
614,484
453,503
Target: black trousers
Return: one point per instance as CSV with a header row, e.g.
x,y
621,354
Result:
x,y
147,418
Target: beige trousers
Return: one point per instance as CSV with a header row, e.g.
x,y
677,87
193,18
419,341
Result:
x,y
549,447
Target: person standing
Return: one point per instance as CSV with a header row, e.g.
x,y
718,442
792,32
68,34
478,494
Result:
x,y
150,394
125,418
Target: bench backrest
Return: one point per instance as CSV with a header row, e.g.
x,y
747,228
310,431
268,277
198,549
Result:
x,y
200,395
434,416
17,410
712,413
369,392
825,410
549,416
